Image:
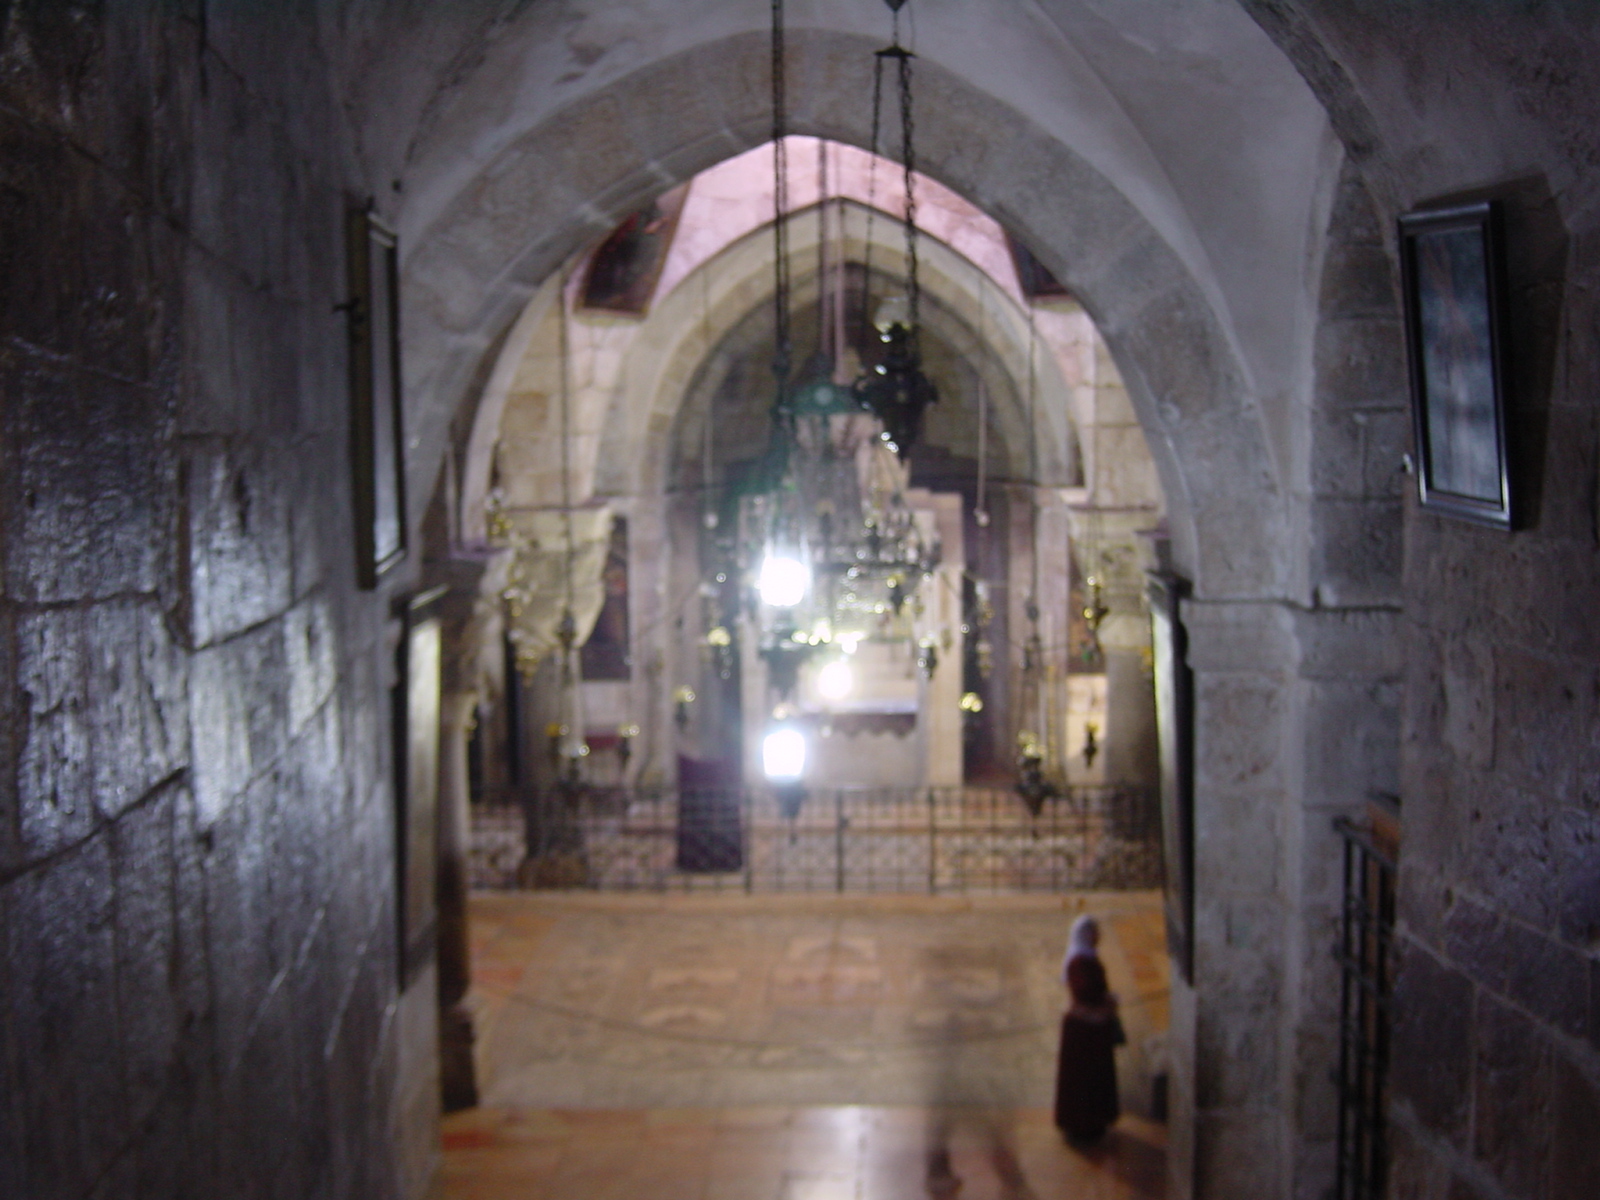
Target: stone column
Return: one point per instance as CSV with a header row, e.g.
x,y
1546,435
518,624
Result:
x,y
458,1080
1231,1110
1131,753
458,701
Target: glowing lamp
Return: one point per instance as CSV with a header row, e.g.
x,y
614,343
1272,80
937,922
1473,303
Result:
x,y
783,754
783,581
835,681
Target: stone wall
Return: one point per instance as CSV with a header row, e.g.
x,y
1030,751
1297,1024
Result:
x,y
196,903
1496,1041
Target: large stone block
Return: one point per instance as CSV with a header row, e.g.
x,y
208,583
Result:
x,y
149,1003
1357,452
1415,1172
105,721
1548,979
1358,280
1351,743
1543,707
1593,1029
1315,1097
1239,734
312,656
1361,644
1575,1160
1360,363
238,711
1240,637
237,516
240,921
1236,840
1354,218
54,783
245,168
67,1032
1236,1057
1566,507
1356,552
42,178
1508,853
1239,955
137,684
1431,1039
1239,1154
12,1105
1511,1098
1468,681
88,481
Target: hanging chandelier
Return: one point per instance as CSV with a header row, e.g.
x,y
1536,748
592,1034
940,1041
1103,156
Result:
x,y
542,560
827,537
895,390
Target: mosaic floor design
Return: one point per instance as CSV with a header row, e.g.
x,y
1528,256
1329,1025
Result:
x,y
629,1002
766,1153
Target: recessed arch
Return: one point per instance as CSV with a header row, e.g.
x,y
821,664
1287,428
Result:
x,y
471,270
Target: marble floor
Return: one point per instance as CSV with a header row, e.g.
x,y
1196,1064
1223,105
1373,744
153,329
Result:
x,y
794,1048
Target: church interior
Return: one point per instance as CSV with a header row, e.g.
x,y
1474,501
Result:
x,y
590,589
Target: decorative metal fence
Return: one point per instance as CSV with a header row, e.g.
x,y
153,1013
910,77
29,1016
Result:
x,y
927,840
1366,978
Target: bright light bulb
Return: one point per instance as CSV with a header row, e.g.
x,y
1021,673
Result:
x,y
783,755
835,680
783,581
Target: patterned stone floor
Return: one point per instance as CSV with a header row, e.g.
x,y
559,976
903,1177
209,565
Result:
x,y
775,1153
791,1047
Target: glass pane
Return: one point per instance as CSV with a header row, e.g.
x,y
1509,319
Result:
x,y
1457,363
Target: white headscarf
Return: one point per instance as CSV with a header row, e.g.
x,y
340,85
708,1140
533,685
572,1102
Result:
x,y
1085,935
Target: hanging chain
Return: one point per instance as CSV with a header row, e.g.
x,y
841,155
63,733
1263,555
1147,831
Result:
x,y
872,193
982,512
567,628
707,463
908,154
1033,452
824,301
780,205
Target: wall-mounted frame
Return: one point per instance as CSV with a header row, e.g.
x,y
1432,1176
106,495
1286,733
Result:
x,y
1453,282
416,778
1174,686
377,454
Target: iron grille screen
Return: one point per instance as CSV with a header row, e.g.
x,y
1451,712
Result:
x,y
1363,953
927,840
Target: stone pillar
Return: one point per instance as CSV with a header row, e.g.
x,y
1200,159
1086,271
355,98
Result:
x,y
1131,752
459,683
1233,1112
458,1080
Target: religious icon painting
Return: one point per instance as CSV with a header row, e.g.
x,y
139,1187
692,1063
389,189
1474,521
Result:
x,y
1453,283
377,454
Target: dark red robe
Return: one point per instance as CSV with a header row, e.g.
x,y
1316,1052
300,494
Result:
x,y
1086,1071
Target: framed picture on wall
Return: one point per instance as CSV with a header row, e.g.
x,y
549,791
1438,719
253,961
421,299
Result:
x,y
1453,286
416,776
377,457
1174,688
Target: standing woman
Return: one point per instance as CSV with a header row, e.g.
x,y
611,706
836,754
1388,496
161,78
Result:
x,y
1086,1072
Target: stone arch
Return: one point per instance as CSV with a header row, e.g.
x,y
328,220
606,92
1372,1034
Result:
x,y
982,322
474,266
658,383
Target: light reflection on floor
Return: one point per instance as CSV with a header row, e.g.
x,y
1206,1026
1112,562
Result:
x,y
723,1046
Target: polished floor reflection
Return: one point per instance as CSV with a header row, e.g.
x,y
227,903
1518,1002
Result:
x,y
773,1153
780,1048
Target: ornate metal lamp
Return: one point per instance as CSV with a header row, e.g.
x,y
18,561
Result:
x,y
896,391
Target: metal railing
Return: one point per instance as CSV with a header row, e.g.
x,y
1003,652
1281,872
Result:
x,y
933,841
1365,966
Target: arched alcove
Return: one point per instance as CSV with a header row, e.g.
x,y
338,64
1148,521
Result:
x,y
474,258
